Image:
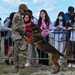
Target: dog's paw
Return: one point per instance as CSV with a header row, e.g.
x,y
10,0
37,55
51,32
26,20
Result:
x,y
54,72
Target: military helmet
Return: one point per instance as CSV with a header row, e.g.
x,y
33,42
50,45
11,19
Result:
x,y
23,6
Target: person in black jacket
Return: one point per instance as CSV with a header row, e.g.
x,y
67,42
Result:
x,y
71,41
8,43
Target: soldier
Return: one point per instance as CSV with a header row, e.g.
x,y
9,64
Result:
x,y
19,42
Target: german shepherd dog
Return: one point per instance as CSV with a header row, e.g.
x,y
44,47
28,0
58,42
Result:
x,y
41,44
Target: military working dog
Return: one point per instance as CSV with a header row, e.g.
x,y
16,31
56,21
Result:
x,y
40,43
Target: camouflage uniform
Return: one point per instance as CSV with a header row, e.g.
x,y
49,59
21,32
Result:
x,y
19,43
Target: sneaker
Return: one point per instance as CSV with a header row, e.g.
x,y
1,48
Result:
x,y
60,62
52,65
69,65
6,62
27,64
73,65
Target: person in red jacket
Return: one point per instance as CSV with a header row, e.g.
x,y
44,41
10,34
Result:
x,y
28,22
31,52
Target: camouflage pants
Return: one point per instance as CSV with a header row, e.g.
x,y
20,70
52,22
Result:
x,y
19,53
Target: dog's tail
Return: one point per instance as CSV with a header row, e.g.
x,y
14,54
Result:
x,y
67,57
64,56
61,54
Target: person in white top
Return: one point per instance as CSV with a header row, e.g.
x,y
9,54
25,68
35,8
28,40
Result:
x,y
58,32
71,41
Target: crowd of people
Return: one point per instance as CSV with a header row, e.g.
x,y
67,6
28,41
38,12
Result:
x,y
62,30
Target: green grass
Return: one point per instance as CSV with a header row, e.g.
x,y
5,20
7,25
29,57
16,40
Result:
x,y
9,70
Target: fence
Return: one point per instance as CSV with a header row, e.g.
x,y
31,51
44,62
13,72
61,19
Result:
x,y
53,40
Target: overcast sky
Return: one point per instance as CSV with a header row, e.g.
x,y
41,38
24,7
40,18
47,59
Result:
x,y
53,7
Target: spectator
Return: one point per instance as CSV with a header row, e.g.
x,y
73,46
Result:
x,y
71,41
68,19
58,32
0,32
0,22
8,38
43,23
34,19
0,25
69,13
3,33
19,43
31,53
0,19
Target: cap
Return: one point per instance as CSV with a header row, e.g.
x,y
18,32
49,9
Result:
x,y
71,9
23,6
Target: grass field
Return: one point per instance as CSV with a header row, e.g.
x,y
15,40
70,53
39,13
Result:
x,y
33,70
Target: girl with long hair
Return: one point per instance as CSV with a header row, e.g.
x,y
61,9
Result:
x,y
44,22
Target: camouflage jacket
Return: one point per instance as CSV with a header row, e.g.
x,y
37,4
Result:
x,y
17,26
